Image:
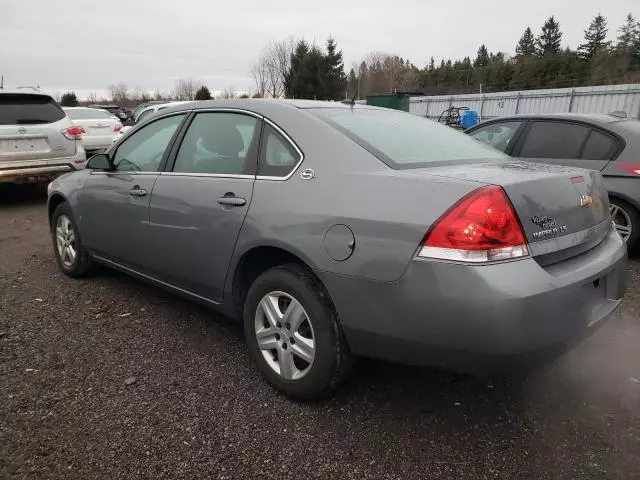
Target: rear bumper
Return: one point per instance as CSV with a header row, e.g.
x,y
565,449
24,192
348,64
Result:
x,y
41,169
481,318
97,143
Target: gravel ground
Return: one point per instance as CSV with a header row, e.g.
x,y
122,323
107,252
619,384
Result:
x,y
111,378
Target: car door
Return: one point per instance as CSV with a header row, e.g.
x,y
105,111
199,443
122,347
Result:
x,y
565,143
199,204
114,205
500,135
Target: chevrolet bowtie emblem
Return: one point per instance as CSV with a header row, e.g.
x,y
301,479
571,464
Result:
x,y
586,200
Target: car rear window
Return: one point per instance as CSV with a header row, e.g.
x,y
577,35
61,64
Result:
x,y
20,109
402,140
88,114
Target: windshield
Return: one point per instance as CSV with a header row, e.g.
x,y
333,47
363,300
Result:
x,y
88,114
20,109
402,140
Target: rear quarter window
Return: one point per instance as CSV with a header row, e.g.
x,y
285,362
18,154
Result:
x,y
402,140
21,109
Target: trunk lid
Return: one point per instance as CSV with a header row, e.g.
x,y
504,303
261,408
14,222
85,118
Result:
x,y
97,128
558,207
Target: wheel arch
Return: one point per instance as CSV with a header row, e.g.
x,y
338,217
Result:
x,y
54,201
255,261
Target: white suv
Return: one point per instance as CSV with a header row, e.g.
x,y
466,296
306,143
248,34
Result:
x,y
38,142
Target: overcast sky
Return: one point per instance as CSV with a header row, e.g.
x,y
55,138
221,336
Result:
x,y
85,46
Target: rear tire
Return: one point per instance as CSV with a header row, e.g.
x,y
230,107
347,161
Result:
x,y
626,220
73,259
302,354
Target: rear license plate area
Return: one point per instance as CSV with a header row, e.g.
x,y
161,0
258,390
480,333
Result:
x,y
26,145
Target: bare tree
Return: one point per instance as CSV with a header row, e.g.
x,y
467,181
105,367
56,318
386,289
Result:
x,y
258,71
92,98
186,89
137,94
272,67
229,92
119,92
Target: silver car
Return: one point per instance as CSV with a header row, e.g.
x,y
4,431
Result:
x,y
37,139
100,127
607,143
334,230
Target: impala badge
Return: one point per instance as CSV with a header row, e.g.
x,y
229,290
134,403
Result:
x,y
586,200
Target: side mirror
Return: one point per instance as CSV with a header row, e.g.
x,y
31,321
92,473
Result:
x,y
99,162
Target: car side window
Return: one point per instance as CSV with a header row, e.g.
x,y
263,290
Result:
x,y
278,157
599,146
218,143
497,135
554,140
144,115
143,150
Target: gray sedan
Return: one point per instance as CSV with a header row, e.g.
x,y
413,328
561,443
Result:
x,y
333,230
607,143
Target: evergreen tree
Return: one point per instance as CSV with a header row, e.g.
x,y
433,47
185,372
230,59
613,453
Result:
x,y
69,99
526,46
293,78
595,37
432,64
628,33
333,77
482,60
203,93
549,41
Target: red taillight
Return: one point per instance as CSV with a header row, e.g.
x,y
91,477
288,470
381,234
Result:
x,y
117,127
73,133
482,227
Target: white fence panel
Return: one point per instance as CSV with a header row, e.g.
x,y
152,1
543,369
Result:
x,y
597,99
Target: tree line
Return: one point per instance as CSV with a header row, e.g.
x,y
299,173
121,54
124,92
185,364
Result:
x,y
297,69
539,62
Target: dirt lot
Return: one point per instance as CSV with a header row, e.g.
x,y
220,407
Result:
x,y
198,409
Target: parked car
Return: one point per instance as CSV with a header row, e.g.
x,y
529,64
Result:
x,y
607,143
100,127
139,108
334,230
144,114
122,113
37,139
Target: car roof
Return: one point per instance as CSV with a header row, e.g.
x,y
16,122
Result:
x,y
595,118
23,91
265,105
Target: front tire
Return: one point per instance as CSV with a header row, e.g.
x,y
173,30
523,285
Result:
x,y
72,258
293,335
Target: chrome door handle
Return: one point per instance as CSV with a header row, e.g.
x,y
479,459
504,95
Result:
x,y
137,192
232,201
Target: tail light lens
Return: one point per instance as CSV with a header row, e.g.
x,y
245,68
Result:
x,y
480,228
117,127
73,133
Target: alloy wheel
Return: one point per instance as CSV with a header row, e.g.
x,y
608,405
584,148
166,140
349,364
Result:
x,y
285,335
621,221
66,241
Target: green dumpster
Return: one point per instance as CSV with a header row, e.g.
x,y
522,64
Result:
x,y
395,100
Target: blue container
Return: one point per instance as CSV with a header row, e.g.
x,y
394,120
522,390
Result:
x,y
468,118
